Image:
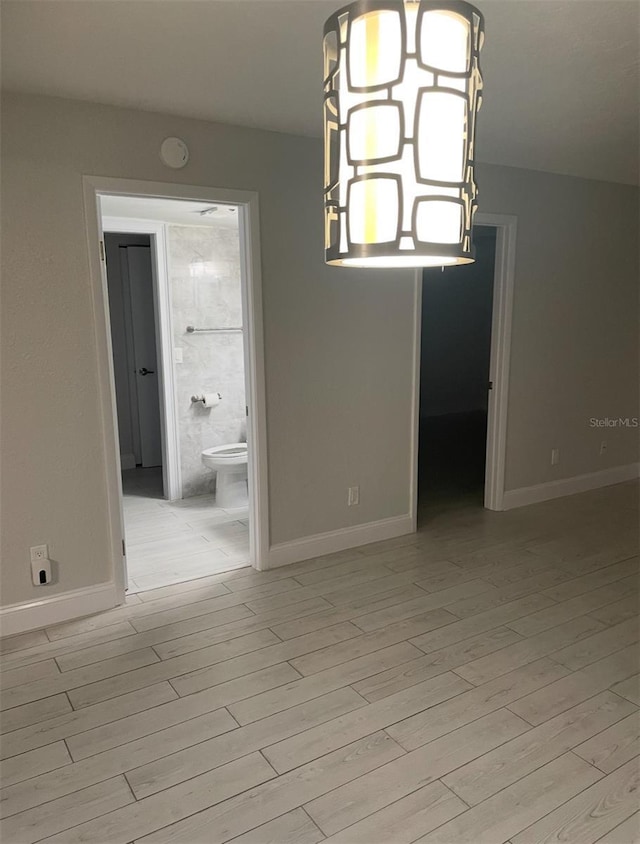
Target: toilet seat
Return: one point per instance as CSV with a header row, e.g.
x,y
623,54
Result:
x,y
233,454
230,463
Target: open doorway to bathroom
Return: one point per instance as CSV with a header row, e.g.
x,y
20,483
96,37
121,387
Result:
x,y
177,323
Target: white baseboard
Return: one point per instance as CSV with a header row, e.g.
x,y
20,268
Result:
x,y
569,486
31,615
127,461
319,544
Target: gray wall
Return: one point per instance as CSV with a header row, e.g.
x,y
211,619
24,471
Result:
x,y
338,343
574,348
204,273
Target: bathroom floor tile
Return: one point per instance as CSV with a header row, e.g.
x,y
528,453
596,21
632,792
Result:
x,y
237,512
219,534
169,542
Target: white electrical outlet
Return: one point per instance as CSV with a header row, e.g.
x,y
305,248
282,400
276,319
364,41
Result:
x,y
603,446
40,565
353,496
555,456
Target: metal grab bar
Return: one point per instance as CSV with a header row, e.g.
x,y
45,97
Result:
x,y
191,329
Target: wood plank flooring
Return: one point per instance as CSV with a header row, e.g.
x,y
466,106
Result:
x,y
475,682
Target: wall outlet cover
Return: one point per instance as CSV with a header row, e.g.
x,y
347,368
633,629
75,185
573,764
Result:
x,y
40,566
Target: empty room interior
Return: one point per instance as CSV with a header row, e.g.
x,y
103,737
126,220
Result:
x,y
320,422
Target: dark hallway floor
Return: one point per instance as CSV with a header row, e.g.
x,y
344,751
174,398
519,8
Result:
x,y
451,465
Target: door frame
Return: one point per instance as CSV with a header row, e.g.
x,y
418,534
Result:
x,y
506,226
253,341
171,474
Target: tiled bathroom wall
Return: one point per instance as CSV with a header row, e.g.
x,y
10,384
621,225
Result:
x,y
204,272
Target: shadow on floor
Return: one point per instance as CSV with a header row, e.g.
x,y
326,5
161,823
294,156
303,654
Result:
x,y
143,483
451,463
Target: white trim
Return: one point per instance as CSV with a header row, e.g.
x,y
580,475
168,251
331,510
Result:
x,y
254,373
32,615
570,486
503,285
415,400
171,473
247,203
127,461
319,544
108,418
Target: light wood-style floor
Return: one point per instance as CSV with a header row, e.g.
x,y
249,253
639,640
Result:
x,y
476,682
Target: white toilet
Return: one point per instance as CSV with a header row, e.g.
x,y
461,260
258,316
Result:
x,y
230,462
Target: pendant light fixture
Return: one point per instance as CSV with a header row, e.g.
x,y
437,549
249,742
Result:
x,y
402,87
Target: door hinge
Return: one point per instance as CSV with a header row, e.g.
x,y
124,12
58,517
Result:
x,y
246,410
491,385
124,549
102,250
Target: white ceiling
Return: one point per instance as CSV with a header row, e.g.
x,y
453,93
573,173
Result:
x,y
561,76
177,211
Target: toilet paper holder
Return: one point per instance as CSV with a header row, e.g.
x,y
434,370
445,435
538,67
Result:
x,y
201,398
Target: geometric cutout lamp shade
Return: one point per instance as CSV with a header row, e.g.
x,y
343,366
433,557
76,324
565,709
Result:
x,y
402,88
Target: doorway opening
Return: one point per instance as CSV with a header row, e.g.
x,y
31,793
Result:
x,y
463,335
197,527
454,378
183,339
